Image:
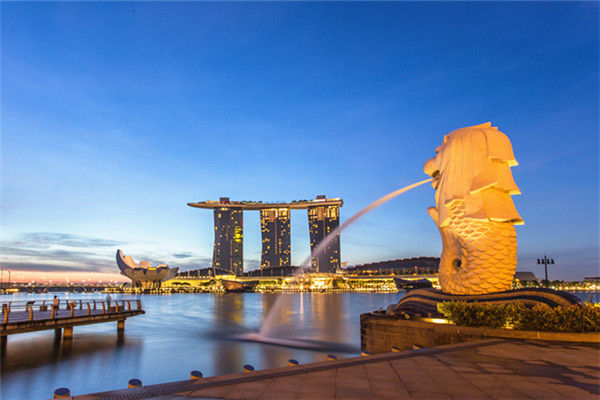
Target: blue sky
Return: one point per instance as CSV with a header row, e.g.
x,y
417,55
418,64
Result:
x,y
115,115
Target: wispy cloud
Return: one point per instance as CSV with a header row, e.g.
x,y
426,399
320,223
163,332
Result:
x,y
63,252
182,255
60,267
66,239
57,252
45,252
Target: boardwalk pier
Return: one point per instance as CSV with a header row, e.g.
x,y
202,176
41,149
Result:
x,y
37,315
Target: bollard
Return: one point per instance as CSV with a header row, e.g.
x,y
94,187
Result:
x,y
395,349
134,383
248,368
293,363
195,374
365,353
331,357
61,393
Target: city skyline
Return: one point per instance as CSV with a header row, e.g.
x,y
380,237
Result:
x,y
115,115
323,218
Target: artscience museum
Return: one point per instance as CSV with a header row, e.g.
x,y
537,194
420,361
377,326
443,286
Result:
x,y
143,275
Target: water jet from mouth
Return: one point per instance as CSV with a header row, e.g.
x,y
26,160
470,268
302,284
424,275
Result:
x,y
266,328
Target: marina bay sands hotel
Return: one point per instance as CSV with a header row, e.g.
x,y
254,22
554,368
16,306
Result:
x,y
323,218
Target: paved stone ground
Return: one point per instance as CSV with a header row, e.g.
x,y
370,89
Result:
x,y
488,369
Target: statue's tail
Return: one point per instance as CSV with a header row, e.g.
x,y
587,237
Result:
x,y
479,256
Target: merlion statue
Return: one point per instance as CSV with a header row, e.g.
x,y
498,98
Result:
x,y
474,210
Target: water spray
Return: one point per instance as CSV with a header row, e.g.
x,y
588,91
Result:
x,y
269,321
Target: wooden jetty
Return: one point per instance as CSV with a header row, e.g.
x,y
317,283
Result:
x,y
38,315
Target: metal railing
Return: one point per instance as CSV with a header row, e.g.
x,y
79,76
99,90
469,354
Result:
x,y
66,308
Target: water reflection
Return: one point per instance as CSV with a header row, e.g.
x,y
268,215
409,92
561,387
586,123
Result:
x,y
229,314
177,334
46,350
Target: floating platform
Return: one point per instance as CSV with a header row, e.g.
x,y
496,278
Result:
x,y
239,286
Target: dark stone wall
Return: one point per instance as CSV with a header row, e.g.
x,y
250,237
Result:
x,y
379,332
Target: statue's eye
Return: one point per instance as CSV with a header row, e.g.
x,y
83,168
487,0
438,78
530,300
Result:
x,y
456,264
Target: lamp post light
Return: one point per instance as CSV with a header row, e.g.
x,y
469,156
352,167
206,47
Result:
x,y
546,261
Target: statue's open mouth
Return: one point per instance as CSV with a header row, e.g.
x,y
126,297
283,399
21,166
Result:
x,y
436,179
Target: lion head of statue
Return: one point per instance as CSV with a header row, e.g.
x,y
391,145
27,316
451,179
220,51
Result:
x,y
473,165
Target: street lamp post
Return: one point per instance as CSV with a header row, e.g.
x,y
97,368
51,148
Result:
x,y
546,261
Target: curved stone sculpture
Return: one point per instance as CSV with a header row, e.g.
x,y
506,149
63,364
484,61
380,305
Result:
x,y
424,301
474,210
143,274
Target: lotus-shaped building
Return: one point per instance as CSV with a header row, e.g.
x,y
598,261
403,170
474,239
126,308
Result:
x,y
143,275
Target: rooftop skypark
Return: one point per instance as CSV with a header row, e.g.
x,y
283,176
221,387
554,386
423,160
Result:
x,y
259,205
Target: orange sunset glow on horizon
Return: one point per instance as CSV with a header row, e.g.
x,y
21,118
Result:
x,y
62,277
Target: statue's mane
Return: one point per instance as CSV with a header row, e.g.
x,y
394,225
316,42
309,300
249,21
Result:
x,y
474,164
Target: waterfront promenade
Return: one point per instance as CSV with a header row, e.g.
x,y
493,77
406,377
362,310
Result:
x,y
486,369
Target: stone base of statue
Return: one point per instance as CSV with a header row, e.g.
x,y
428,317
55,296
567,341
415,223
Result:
x,y
423,302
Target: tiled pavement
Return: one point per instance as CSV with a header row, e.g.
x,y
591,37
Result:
x,y
489,369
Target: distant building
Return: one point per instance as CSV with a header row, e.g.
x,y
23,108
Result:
x,y
276,239
322,220
287,270
143,275
402,266
229,238
525,276
204,273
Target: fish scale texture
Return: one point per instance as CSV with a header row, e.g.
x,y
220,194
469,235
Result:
x,y
487,251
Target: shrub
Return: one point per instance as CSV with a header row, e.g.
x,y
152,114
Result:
x,y
574,318
475,314
559,319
